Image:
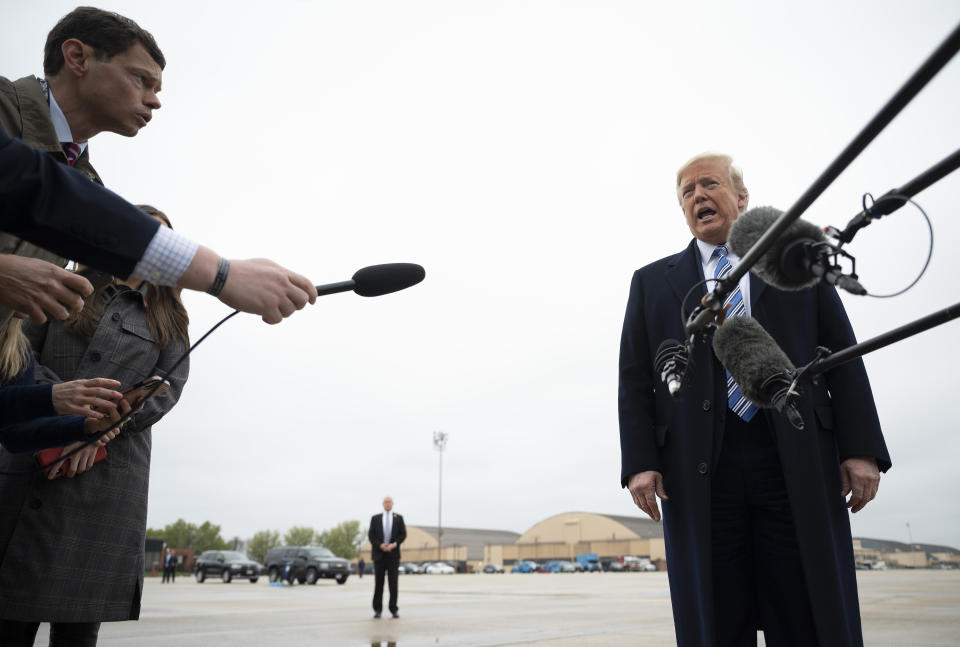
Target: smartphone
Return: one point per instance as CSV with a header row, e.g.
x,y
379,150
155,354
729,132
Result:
x,y
136,393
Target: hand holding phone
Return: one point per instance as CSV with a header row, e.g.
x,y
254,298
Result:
x,y
55,470
133,397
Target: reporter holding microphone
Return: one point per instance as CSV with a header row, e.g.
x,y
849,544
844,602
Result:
x,y
58,208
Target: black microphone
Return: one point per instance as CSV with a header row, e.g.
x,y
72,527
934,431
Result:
x,y
799,259
671,363
760,368
377,280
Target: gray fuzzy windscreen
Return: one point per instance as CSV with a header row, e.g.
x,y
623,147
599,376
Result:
x,y
747,230
750,354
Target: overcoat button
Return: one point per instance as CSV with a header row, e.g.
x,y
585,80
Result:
x,y
706,405
115,316
94,356
702,468
36,504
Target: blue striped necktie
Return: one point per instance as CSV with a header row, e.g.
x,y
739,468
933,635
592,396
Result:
x,y
737,308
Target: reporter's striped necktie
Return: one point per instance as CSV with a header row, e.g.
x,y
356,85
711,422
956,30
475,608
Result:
x,y
735,399
72,151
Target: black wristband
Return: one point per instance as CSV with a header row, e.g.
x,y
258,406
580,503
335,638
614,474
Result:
x,y
221,279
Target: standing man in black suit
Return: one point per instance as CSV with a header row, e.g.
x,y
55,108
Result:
x,y
387,532
754,511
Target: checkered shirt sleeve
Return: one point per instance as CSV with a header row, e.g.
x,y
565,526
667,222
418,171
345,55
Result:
x,y
166,258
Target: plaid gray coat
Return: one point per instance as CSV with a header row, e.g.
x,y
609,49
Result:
x,y
71,550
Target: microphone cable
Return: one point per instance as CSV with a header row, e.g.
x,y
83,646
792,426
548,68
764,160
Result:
x,y
375,280
683,304
926,263
94,437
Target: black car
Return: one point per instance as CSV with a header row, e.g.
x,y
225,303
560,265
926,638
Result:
x,y
309,564
611,566
226,564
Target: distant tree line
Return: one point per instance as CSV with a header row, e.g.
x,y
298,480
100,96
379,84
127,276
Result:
x,y
342,540
183,534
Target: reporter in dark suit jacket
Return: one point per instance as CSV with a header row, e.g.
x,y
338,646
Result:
x,y
387,532
57,208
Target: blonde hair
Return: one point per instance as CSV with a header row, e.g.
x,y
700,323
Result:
x,y
14,349
736,175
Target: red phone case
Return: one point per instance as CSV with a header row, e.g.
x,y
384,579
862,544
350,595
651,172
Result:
x,y
51,455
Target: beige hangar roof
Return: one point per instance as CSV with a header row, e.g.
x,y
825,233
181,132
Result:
x,y
588,526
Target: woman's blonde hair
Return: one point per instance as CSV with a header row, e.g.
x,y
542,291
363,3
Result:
x,y
14,349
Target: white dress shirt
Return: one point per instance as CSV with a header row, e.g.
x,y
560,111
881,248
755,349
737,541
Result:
x,y
387,526
60,125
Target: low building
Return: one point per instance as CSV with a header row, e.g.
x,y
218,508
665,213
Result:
x,y
464,547
566,535
897,554
562,536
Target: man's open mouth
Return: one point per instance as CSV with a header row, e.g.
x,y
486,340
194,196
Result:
x,y
705,213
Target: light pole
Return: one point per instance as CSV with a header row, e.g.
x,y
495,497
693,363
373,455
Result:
x,y
439,444
910,535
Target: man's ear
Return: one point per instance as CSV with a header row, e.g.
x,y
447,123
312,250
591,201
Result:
x,y
742,200
76,56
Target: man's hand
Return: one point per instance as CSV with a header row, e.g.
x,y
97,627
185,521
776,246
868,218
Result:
x,y
643,486
262,287
257,285
86,397
860,478
31,286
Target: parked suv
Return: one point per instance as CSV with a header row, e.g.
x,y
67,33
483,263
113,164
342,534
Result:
x,y
310,563
226,564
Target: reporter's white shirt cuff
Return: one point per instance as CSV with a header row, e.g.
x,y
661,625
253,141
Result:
x,y
166,258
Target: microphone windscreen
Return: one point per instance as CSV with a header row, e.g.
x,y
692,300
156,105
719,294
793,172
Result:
x,y
751,355
781,265
377,280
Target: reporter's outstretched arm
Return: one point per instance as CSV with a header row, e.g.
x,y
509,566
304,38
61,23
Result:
x,y
59,209
256,285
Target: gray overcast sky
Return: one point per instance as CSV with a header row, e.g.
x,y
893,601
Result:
x,y
524,153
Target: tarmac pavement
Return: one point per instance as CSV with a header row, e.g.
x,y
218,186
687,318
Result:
x,y
899,608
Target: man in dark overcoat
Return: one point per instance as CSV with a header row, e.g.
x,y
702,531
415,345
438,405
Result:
x,y
755,512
